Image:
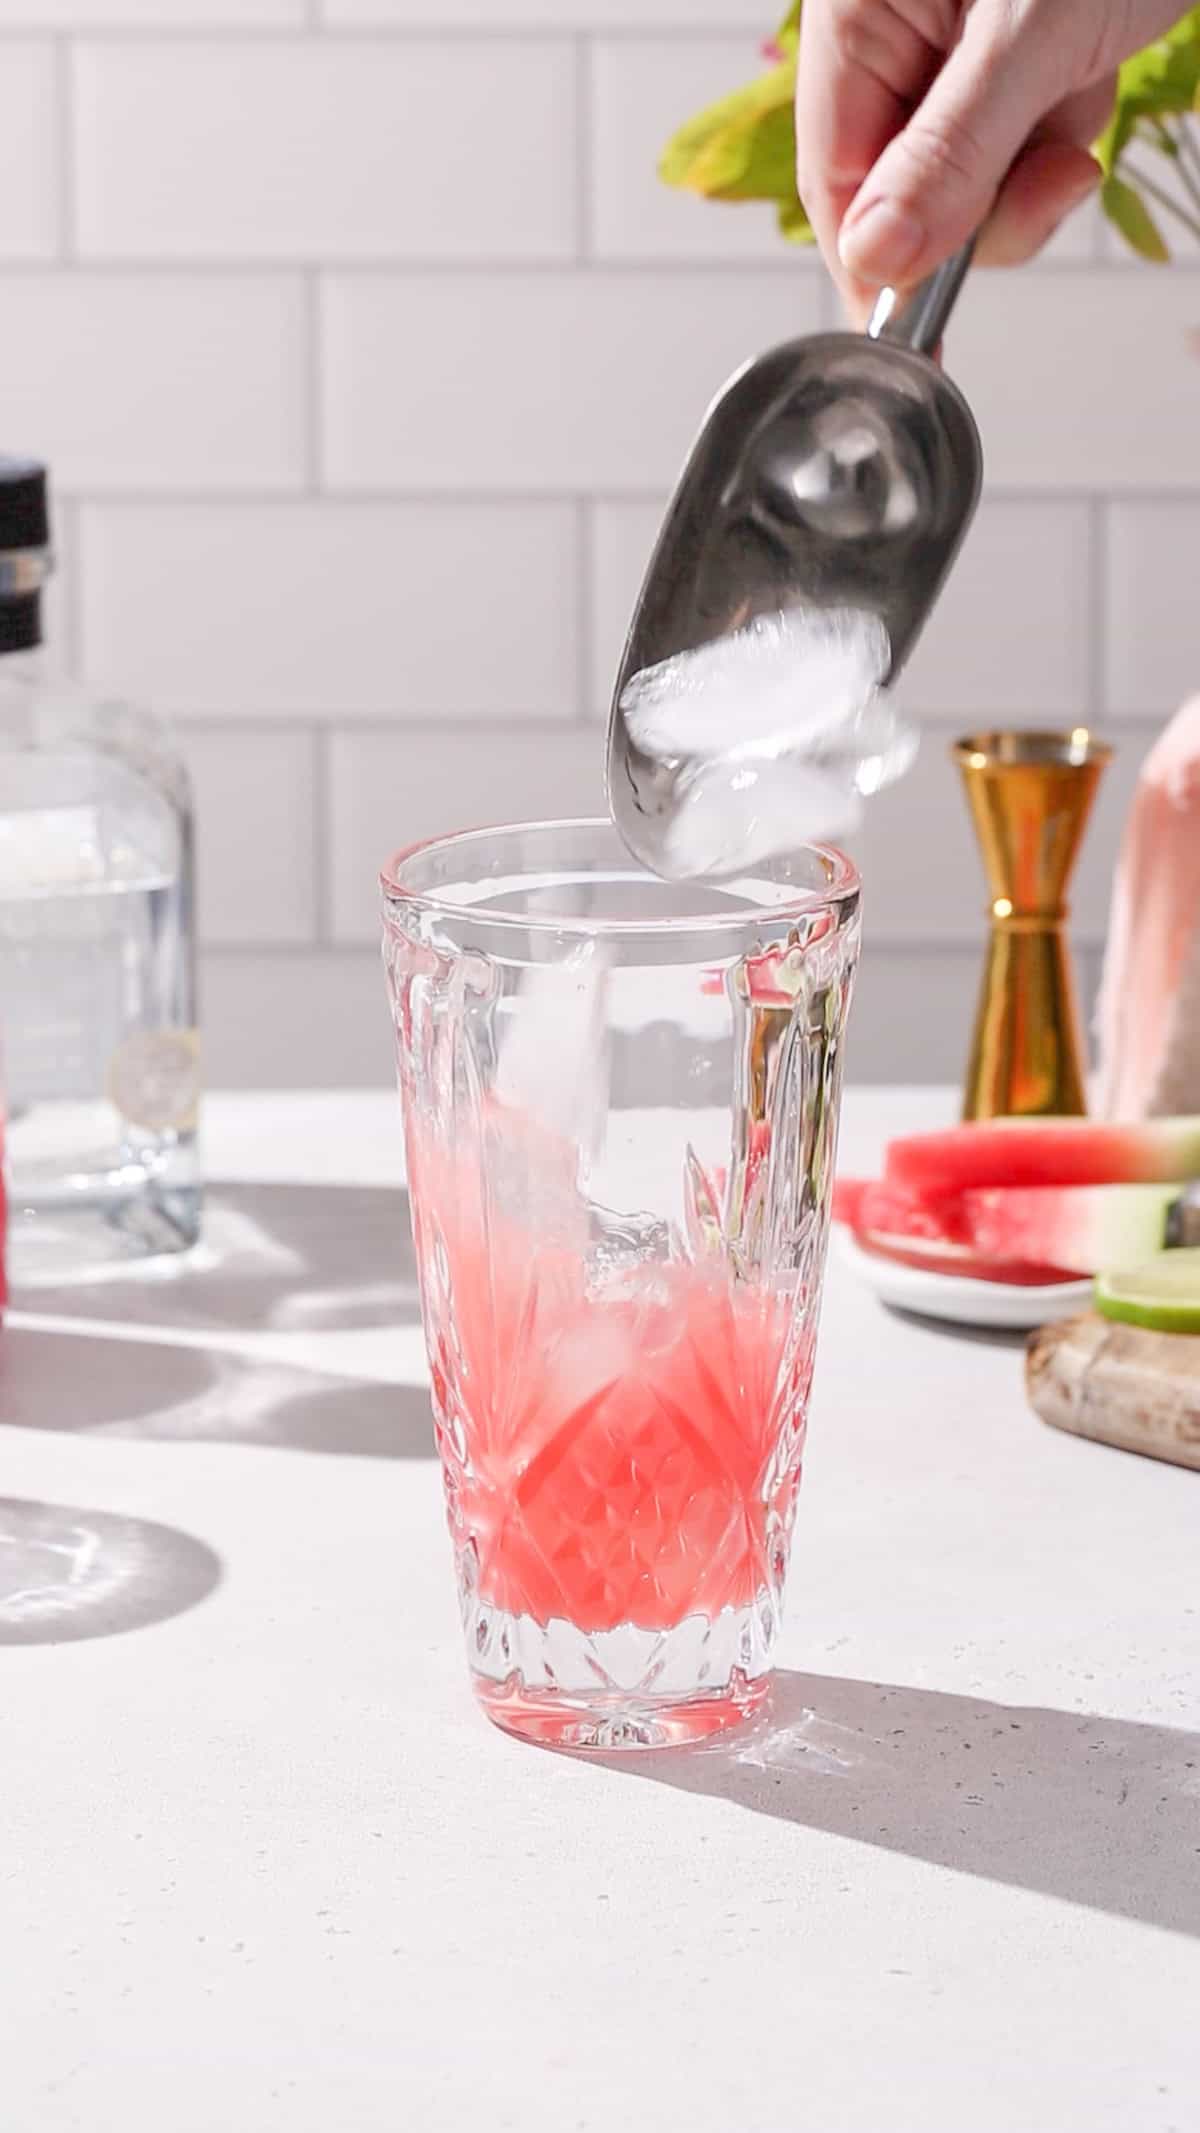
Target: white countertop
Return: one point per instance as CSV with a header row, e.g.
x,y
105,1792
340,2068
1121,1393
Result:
x,y
264,1869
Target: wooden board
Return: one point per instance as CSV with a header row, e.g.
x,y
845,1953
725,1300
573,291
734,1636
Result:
x,y
1118,1385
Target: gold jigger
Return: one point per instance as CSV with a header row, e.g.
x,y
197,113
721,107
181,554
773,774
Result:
x,y
1030,796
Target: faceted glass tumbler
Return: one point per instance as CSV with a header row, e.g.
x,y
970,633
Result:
x,y
621,1103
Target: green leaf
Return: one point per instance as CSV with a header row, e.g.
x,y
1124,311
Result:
x,y
742,148
794,223
1129,212
766,161
787,36
686,147
1159,82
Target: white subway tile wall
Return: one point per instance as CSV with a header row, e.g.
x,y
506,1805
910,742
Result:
x,y
367,149
570,382
504,15
622,536
365,345
255,796
156,15
29,161
636,92
426,777
1151,617
135,382
335,610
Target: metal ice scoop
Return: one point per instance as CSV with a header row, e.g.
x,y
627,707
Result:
x,y
837,471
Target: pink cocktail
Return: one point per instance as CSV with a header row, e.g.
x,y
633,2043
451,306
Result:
x,y
621,1104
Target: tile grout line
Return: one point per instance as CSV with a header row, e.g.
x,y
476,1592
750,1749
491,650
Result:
x,y
288,951
396,723
505,497
408,266
1086,948
254,725
350,34
403,266
392,720
314,21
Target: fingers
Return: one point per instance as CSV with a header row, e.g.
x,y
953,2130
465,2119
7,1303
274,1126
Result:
x,y
936,182
1050,178
903,152
861,68
1046,183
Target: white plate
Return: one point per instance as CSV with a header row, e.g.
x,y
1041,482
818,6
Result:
x,y
961,1301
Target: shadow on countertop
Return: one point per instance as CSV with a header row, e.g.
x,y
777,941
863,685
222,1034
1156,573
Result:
x,y
298,1259
68,1574
274,1258
1098,1811
163,1393
946,1329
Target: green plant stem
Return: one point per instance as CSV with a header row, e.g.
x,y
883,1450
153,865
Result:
x,y
1189,154
1177,143
1171,207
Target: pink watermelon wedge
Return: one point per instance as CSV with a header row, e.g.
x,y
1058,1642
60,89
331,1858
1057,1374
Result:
x,y
929,1233
934,1255
1085,1227
1018,1234
848,1196
874,1204
1046,1151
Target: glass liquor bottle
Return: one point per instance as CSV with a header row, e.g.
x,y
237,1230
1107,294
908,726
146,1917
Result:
x,y
98,1039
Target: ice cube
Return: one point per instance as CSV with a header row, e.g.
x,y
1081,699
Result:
x,y
785,680
767,738
623,1244
553,1064
735,811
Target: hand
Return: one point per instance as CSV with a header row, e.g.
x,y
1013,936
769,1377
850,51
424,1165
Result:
x,y
921,121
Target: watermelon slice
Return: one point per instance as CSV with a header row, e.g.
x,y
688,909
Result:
x,y
848,1196
871,1204
929,1233
1086,1227
932,1256
1047,1151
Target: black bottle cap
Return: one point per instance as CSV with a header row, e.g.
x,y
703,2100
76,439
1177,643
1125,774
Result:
x,y
24,505
24,531
21,623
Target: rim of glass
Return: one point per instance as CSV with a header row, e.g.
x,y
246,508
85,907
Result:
x,y
844,881
1026,747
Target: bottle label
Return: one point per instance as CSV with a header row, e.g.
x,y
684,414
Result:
x,y
154,1080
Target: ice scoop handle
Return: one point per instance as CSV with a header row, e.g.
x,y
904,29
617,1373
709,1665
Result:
x,y
918,320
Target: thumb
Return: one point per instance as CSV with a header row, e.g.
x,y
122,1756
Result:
x,y
935,183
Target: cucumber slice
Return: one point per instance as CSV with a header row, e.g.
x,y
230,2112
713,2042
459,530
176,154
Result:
x,y
1163,1295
